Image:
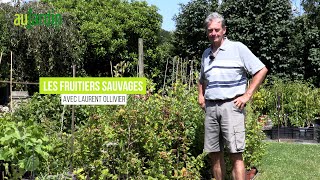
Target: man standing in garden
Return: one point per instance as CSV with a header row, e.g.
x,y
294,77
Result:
x,y
223,94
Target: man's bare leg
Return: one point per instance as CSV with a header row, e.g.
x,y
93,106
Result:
x,y
238,169
218,165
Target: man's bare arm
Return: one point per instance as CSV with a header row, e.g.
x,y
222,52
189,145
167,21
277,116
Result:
x,y
201,91
255,83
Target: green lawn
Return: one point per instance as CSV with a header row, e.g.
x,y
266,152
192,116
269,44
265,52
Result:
x,y
286,161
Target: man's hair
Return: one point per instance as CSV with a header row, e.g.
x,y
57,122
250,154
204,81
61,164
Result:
x,y
213,16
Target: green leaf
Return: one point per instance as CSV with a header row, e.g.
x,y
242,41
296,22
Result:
x,y
1,155
32,163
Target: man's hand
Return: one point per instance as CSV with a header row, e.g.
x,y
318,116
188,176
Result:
x,y
241,101
257,79
201,101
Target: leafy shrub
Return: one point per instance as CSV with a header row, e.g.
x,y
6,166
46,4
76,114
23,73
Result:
x,y
155,136
152,136
255,147
48,111
299,102
25,147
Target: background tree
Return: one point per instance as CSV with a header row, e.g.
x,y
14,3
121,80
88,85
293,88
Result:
x,y
309,40
312,9
287,44
265,27
304,48
111,29
190,38
39,51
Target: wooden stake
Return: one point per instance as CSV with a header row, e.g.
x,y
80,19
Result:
x,y
141,64
186,71
0,57
173,66
111,69
278,108
181,70
72,126
177,73
11,103
191,75
165,75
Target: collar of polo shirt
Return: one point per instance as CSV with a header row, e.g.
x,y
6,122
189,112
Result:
x,y
222,47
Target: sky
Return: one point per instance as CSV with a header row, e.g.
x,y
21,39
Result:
x,y
168,8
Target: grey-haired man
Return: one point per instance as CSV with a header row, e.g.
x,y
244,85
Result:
x,y
223,94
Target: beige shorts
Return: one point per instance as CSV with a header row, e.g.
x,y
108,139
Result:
x,y
224,125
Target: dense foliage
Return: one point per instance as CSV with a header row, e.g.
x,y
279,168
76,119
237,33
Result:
x,y
255,147
299,102
95,36
158,135
312,9
111,29
40,50
253,23
286,42
190,38
153,136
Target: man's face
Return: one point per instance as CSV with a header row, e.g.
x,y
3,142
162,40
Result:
x,y
215,31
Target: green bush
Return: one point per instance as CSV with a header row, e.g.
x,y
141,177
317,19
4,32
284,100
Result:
x,y
155,136
299,102
255,147
152,136
24,147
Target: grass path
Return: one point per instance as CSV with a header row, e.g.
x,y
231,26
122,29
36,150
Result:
x,y
290,161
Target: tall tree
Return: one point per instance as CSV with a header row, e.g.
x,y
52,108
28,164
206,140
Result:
x,y
312,9
111,29
40,50
265,27
190,38
306,44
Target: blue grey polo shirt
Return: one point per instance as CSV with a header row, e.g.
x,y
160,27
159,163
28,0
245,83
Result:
x,y
226,75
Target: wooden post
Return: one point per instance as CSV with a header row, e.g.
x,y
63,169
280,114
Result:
x,y
177,73
186,63
1,57
141,64
185,71
181,71
72,127
111,69
278,108
11,103
191,75
173,66
165,75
